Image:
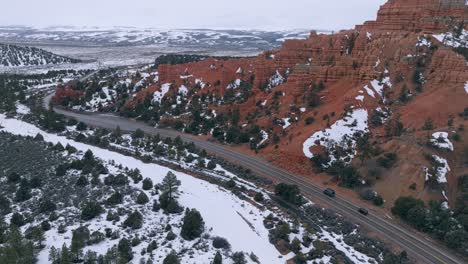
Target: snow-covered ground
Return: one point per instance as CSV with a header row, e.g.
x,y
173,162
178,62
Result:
x,y
441,170
101,99
441,140
146,36
339,133
450,39
158,95
224,214
379,86
276,80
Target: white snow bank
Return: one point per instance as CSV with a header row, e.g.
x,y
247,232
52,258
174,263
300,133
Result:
x,y
442,170
227,215
441,140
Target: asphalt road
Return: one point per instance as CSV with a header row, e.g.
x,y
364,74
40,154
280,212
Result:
x,y
416,245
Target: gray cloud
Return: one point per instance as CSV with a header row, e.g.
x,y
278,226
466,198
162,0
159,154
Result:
x,y
258,14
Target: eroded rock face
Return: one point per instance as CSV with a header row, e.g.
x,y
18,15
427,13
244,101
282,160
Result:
x,y
418,15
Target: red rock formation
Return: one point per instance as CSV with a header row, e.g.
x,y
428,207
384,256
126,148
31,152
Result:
x,y
428,16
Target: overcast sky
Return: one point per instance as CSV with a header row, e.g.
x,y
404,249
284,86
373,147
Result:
x,y
251,14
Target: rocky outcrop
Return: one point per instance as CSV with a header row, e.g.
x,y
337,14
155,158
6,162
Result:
x,y
426,16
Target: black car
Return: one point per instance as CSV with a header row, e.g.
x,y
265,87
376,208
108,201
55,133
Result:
x,y
363,211
329,192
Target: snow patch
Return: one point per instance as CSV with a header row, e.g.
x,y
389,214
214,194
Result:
x,y
450,39
379,86
339,132
22,109
235,84
200,82
360,98
441,140
369,91
158,95
276,80
286,122
183,90
264,138
442,169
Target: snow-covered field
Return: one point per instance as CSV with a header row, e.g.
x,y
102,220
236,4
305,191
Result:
x,y
148,36
224,214
94,57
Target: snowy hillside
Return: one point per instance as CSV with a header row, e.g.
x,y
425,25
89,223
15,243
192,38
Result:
x,y
12,55
241,39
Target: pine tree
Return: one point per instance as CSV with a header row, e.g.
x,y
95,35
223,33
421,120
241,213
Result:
x,y
147,184
5,205
134,220
65,256
170,185
82,181
115,198
218,258
142,198
211,165
37,235
193,225
54,255
170,191
125,250
17,219
17,249
24,191
172,258
91,210
79,239
239,258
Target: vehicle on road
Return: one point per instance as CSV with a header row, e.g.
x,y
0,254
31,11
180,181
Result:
x,y
363,211
329,192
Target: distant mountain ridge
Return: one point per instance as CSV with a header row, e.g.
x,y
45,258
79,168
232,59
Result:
x,y
237,39
13,55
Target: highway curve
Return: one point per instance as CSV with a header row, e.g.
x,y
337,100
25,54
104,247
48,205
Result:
x,y
417,246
